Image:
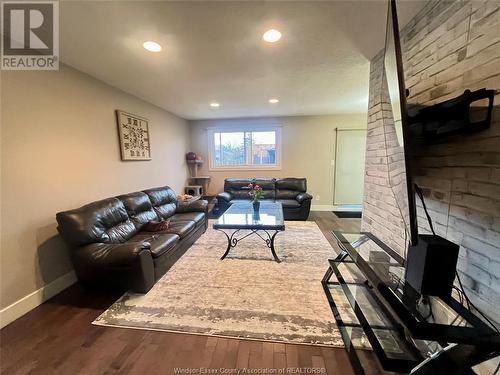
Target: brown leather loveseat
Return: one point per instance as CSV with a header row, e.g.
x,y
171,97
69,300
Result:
x,y
290,192
110,248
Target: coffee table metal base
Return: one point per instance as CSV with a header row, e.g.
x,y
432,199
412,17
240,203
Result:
x,y
232,240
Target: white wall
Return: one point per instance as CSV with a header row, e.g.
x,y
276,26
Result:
x,y
308,145
60,150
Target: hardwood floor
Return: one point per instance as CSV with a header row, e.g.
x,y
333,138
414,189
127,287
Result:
x,y
58,338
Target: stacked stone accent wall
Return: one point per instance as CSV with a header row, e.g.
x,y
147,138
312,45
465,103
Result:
x,y
448,47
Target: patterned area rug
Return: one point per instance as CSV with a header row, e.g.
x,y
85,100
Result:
x,y
247,295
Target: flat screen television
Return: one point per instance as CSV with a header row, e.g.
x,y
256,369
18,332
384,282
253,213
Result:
x,y
399,169
430,260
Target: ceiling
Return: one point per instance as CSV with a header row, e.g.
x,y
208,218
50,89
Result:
x,y
213,51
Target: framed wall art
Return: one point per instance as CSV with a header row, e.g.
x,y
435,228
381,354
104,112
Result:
x,y
133,131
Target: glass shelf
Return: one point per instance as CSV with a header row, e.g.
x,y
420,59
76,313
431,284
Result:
x,y
356,341
369,248
426,317
357,307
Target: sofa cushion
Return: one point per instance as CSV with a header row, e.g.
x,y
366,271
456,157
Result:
x,y
157,226
298,184
103,221
238,188
288,203
199,205
159,243
236,183
268,187
289,188
287,194
247,201
197,217
163,243
181,228
139,208
110,254
163,200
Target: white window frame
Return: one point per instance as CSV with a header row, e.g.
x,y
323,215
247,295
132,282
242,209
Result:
x,y
247,167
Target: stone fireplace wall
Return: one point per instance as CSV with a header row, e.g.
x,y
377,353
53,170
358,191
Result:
x,y
448,47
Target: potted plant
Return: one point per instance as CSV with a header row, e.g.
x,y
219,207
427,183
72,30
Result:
x,y
256,193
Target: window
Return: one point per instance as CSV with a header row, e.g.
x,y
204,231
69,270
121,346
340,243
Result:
x,y
250,149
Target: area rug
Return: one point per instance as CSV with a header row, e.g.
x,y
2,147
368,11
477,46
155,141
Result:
x,y
248,295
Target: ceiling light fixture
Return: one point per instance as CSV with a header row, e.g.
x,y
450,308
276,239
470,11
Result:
x,y
152,46
214,105
273,101
271,36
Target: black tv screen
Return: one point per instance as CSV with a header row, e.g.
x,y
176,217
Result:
x,y
396,129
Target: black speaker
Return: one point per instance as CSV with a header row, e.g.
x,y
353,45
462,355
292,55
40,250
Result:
x,y
431,265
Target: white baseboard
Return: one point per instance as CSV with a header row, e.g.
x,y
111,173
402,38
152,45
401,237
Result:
x,y
32,300
348,207
322,207
336,207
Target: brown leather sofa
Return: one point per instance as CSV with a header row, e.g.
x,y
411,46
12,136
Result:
x,y
290,192
110,248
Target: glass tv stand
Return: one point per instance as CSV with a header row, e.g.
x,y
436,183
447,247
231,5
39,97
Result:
x,y
388,326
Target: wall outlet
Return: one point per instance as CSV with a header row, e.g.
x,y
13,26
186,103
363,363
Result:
x,y
318,197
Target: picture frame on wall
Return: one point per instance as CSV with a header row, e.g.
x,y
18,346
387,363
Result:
x,y
133,132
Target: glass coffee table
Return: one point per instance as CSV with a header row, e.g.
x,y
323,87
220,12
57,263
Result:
x,y
266,223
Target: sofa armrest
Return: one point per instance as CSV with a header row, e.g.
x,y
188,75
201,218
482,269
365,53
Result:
x,y
303,197
199,205
112,255
225,196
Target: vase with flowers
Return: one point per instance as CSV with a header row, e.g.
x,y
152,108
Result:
x,y
256,193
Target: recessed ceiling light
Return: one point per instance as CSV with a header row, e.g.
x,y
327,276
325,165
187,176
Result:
x,y
273,101
214,105
271,36
151,46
